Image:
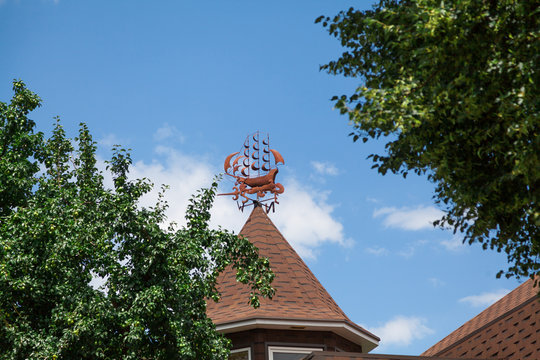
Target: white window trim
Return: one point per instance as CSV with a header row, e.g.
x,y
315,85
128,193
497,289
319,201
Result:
x,y
248,349
291,350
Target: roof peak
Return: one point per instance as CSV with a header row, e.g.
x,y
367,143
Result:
x,y
299,294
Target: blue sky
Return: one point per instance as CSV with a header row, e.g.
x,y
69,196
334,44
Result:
x,y
183,82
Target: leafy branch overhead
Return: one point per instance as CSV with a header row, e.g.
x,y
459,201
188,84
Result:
x,y
453,87
61,229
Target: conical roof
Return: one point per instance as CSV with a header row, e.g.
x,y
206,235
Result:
x,y
299,295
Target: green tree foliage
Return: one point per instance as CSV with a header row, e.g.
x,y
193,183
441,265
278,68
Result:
x,y
453,87
60,228
18,144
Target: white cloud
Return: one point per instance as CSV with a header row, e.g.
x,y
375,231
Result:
x,y
183,174
454,244
98,283
373,200
402,330
436,282
407,252
304,217
167,131
410,250
484,299
406,218
109,140
325,168
377,251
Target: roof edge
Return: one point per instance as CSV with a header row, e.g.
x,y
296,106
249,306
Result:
x,y
472,333
346,329
341,355
530,295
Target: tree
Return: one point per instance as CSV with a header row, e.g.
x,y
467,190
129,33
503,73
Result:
x,y
453,88
60,228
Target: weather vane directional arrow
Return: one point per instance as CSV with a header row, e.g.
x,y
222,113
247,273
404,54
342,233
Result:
x,y
254,168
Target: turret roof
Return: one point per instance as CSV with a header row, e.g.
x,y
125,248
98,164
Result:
x,y
299,295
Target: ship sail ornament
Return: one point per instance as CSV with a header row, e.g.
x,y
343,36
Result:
x,y
254,169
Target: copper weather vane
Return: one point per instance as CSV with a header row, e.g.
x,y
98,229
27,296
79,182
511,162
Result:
x,y
254,168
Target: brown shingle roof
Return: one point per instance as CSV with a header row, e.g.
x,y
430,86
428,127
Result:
x,y
326,355
299,295
509,329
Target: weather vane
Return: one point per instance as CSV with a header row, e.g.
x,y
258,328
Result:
x,y
254,168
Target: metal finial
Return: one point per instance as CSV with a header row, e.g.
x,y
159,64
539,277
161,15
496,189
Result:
x,y
254,168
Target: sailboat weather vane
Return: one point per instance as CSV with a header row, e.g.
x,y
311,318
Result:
x,y
254,168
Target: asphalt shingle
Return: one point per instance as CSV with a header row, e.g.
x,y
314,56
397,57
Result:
x,y
299,295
